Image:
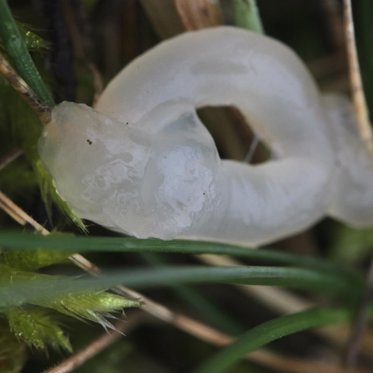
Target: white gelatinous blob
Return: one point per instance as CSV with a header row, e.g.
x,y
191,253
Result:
x,y
351,198
144,164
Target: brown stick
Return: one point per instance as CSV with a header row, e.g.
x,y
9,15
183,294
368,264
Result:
x,y
10,157
19,215
96,346
7,71
358,97
199,14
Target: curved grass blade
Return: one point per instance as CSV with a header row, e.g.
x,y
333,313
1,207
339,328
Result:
x,y
271,331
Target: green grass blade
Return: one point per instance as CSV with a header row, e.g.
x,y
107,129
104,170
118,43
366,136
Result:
x,y
246,15
271,331
197,301
16,240
30,290
16,48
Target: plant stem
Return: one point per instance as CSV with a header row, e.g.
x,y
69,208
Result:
x,y
19,85
358,97
19,55
246,15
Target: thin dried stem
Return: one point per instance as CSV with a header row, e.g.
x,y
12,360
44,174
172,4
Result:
x,y
358,97
6,70
19,215
85,264
22,218
10,157
10,212
99,344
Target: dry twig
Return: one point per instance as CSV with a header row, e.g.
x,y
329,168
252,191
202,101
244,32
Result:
x,y
99,344
19,215
199,14
7,71
10,157
358,97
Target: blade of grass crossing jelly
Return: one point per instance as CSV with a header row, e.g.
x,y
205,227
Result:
x,y
17,240
39,288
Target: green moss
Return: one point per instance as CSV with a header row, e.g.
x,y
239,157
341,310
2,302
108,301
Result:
x,y
33,324
37,328
92,306
12,351
32,260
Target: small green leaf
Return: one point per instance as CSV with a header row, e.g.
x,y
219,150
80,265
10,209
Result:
x,y
246,15
92,306
37,329
50,194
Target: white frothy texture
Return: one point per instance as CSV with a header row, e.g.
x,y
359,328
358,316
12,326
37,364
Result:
x,y
143,163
